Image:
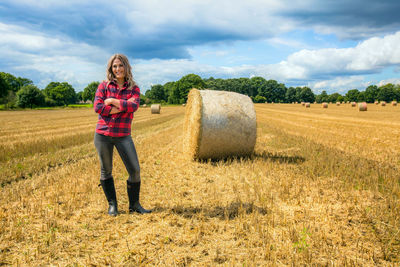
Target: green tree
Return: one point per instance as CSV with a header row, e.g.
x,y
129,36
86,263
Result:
x,y
271,90
157,93
258,85
29,96
362,97
14,83
323,97
334,97
79,96
168,87
371,93
306,94
387,93
4,87
259,99
291,95
184,85
90,91
49,88
62,93
352,95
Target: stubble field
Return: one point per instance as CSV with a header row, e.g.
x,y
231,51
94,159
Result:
x,y
322,188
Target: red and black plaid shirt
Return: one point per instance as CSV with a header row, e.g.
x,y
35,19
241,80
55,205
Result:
x,y
119,124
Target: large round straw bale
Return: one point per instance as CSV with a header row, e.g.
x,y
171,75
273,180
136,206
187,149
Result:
x,y
353,104
219,124
383,103
337,103
394,103
144,105
362,106
303,103
307,105
324,105
155,108
376,102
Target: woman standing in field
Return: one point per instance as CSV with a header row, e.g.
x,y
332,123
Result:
x,y
116,100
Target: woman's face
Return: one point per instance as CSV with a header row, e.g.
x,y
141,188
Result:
x,y
118,70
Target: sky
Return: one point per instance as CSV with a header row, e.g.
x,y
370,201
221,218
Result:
x,y
332,45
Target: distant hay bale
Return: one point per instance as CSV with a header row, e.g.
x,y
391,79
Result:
x,y
383,103
337,103
376,102
362,106
394,103
307,105
155,108
183,104
324,105
348,102
144,105
303,103
219,124
353,104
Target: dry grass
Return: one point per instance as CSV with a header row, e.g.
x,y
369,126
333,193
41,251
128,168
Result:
x,y
322,188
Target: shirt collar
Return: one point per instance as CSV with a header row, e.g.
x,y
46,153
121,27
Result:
x,y
124,86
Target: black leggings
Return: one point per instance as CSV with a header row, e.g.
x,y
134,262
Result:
x,y
127,151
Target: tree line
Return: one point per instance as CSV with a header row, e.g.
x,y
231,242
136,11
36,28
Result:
x,y
21,92
261,90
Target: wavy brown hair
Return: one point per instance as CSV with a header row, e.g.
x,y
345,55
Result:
x,y
127,67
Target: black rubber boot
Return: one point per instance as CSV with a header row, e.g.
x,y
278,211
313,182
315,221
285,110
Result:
x,y
109,191
133,194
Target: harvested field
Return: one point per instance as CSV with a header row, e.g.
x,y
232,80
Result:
x,y
322,188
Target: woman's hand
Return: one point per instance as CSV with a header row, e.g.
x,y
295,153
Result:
x,y
114,110
109,101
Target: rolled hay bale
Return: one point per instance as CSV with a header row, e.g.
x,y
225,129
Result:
x,y
303,103
376,102
183,105
307,105
353,104
144,105
337,103
394,103
219,124
383,103
324,105
155,108
362,106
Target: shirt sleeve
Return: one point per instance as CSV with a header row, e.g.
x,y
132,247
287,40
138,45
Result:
x,y
99,106
128,106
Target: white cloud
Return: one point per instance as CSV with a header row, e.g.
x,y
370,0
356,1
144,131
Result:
x,y
386,81
245,18
341,84
51,56
369,56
